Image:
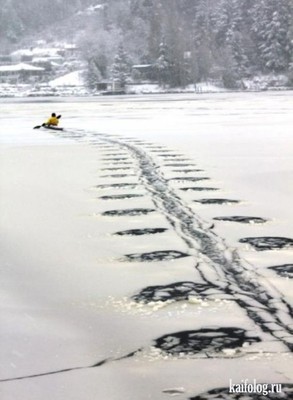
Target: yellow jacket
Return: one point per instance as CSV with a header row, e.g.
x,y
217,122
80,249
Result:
x,y
53,121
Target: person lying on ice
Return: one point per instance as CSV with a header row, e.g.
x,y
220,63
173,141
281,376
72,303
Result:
x,y
53,120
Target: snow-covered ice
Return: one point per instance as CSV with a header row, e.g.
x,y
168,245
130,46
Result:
x,y
176,305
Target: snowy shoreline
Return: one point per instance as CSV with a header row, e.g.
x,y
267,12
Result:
x,y
71,86
83,93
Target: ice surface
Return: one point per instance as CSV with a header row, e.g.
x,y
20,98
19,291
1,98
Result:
x,y
69,302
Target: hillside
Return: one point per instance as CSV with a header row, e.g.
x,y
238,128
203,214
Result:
x,y
20,19
177,42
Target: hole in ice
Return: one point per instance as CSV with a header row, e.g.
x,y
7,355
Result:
x,y
180,159
179,165
226,394
268,242
154,145
115,158
115,154
115,168
155,149
174,391
189,178
175,291
120,162
244,220
134,140
186,171
285,270
198,189
117,176
138,232
117,185
206,340
156,255
165,155
162,151
120,196
216,201
129,212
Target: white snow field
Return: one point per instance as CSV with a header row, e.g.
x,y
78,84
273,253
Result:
x,y
138,246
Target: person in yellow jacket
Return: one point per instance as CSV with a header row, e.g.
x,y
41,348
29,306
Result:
x,y
53,120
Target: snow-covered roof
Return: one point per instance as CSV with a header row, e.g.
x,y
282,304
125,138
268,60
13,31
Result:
x,y
22,52
54,64
142,66
40,59
69,46
71,79
46,51
19,67
96,7
37,51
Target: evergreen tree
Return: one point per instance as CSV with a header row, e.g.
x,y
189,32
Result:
x,y
93,75
177,43
120,70
235,43
202,40
272,20
155,30
11,27
163,65
232,38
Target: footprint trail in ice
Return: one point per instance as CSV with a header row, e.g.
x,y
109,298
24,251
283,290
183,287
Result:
x,y
221,269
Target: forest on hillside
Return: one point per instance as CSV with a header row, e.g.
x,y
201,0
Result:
x,y
184,41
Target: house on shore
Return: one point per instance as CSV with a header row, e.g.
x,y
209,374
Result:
x,y
144,72
5,59
20,73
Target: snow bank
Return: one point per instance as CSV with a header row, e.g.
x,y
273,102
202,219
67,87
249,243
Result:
x,y
72,79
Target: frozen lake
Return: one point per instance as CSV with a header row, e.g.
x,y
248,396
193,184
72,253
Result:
x,y
148,248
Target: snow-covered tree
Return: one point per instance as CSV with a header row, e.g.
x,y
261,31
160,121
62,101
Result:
x,y
202,31
154,34
230,32
121,68
242,36
11,26
272,20
177,39
163,65
93,74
